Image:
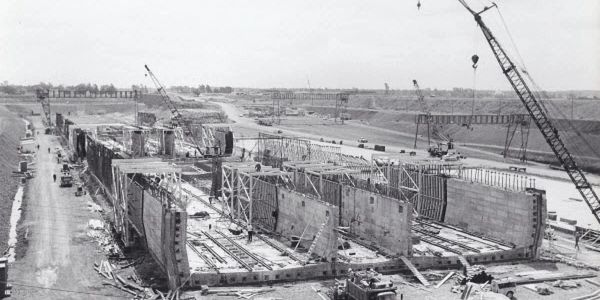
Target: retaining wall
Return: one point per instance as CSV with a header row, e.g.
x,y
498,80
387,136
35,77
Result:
x,y
298,212
377,218
515,217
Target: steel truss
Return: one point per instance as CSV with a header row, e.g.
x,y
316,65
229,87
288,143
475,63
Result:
x,y
167,189
239,180
315,173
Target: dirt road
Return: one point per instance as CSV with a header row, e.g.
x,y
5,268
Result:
x,y
55,256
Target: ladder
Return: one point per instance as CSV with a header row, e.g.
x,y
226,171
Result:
x,y
464,261
414,270
317,236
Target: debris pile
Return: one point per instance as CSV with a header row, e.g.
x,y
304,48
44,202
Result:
x,y
98,231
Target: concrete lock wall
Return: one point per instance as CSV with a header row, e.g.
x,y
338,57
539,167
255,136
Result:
x,y
515,217
153,227
167,142
138,143
165,231
99,159
297,212
135,198
378,218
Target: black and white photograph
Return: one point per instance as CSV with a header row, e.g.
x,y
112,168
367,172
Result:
x,y
300,149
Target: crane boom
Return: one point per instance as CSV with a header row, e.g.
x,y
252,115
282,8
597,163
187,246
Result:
x,y
539,116
425,110
165,97
177,117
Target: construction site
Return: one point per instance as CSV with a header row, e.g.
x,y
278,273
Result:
x,y
154,193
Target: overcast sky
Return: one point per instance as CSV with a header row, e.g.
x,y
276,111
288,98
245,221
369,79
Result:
x,y
335,44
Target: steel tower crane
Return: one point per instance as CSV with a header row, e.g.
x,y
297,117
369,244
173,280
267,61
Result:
x,y
539,115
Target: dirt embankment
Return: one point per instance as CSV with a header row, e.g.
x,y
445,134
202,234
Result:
x,y
582,135
12,129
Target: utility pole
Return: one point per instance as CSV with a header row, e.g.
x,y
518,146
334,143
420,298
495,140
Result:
x,y
572,98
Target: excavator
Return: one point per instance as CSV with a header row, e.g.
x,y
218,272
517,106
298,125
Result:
x,y
538,113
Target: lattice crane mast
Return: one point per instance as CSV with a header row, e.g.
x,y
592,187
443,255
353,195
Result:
x,y
177,119
539,115
427,112
43,96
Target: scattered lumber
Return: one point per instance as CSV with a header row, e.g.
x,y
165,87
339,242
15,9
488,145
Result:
x,y
445,279
589,296
592,282
543,277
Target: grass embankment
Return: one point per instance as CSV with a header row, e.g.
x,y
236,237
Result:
x,y
12,129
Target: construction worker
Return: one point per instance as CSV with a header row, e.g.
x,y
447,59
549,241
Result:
x,y
511,295
48,149
250,232
577,236
54,177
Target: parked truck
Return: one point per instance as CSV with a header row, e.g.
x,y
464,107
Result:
x,y
66,180
365,286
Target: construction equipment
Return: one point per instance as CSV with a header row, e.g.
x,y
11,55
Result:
x,y
66,180
80,191
44,98
538,114
425,109
265,122
365,285
440,149
177,117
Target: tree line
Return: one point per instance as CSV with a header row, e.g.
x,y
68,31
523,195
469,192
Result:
x,y
15,89
201,89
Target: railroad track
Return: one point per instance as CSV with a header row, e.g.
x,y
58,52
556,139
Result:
x,y
426,232
279,248
444,243
208,261
237,251
207,248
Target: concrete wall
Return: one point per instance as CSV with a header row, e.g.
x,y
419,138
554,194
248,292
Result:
x,y
167,142
138,143
378,218
165,230
153,224
296,211
135,198
338,268
515,217
99,159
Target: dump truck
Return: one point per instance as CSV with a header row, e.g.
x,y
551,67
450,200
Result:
x,y
365,286
66,180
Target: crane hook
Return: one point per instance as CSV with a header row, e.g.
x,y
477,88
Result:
x,y
474,59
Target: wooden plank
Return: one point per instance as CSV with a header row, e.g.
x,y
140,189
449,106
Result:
x,y
445,279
